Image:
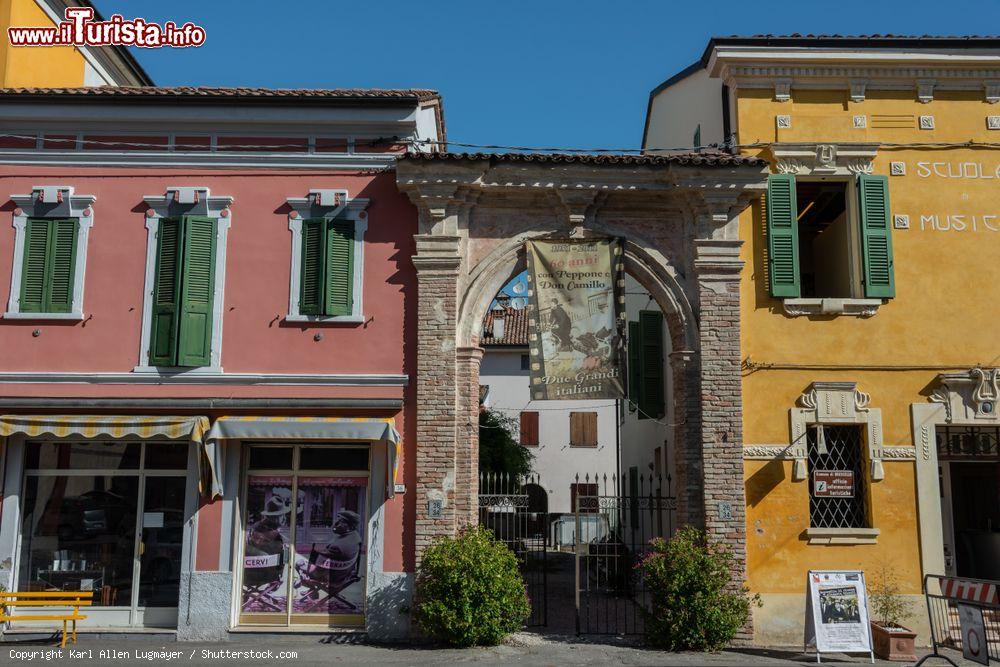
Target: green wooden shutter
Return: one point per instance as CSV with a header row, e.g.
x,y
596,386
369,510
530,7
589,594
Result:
x,y
876,237
340,267
166,294
313,264
651,402
61,266
634,365
782,236
33,266
194,346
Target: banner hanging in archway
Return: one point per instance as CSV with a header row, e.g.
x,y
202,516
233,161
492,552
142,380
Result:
x,y
575,337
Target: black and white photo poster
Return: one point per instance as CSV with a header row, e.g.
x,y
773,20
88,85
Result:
x,y
837,612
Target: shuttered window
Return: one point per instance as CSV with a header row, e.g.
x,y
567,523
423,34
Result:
x,y
876,239
529,429
583,429
48,265
183,292
327,267
645,361
782,236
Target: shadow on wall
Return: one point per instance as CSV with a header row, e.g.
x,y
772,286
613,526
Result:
x,y
389,608
765,480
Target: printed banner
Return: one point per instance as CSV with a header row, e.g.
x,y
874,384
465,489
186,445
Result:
x,y
577,296
327,569
837,612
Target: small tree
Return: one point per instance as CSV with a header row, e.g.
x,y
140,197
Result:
x,y
888,603
694,605
470,591
499,448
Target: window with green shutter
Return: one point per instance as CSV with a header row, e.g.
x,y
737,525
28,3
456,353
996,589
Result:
x,y
820,247
326,286
183,292
48,265
645,359
876,238
782,236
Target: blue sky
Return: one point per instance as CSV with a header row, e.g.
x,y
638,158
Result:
x,y
559,73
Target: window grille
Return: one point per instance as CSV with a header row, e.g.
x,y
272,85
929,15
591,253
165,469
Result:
x,y
965,442
844,452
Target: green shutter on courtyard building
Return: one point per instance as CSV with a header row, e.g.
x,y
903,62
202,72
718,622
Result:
x,y
634,365
876,236
782,236
183,292
48,266
651,403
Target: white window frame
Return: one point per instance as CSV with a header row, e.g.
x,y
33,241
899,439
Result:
x,y
327,204
180,201
50,202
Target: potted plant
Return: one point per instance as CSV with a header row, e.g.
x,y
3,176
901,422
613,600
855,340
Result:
x,y
891,639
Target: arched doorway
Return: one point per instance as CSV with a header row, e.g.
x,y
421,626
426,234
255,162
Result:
x,y
678,218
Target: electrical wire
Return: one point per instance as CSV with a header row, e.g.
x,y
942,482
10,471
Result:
x,y
728,147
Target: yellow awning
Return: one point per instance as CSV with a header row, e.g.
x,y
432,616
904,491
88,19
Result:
x,y
372,429
191,428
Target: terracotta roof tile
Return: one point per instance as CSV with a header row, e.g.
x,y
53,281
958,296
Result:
x,y
700,159
515,328
226,93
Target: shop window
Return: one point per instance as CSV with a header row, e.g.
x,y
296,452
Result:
x,y
829,238
270,458
529,429
333,458
838,494
583,429
87,455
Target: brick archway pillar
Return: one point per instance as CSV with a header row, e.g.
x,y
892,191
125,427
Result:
x,y
438,507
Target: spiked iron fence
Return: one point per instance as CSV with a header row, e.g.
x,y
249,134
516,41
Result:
x,y
512,508
616,517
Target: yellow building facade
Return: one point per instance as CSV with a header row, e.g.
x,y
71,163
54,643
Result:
x,y
868,307
60,66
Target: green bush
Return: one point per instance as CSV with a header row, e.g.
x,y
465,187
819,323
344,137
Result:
x,y
469,590
694,605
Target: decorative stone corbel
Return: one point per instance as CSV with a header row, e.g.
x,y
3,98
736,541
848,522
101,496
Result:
x,y
992,89
782,90
972,395
858,89
925,90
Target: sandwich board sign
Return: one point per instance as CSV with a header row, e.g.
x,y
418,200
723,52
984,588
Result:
x,y
837,613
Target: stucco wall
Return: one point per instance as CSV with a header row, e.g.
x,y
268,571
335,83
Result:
x,y
35,66
942,316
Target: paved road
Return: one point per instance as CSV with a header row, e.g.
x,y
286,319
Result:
x,y
523,649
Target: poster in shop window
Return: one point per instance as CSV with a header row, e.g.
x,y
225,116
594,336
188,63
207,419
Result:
x,y
325,521
837,612
577,301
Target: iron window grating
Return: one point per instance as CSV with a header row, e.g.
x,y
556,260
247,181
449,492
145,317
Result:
x,y
964,442
844,452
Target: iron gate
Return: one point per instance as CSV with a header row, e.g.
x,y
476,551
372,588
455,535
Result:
x,y
515,508
615,520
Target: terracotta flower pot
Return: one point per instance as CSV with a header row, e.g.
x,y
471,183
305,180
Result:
x,y
894,642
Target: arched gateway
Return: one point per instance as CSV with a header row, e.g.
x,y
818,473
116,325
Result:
x,y
678,217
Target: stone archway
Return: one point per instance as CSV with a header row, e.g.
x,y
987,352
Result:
x,y
678,216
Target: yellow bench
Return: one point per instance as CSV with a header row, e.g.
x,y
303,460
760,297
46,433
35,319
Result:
x,y
41,600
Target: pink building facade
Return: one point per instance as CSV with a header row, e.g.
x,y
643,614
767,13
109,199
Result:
x,y
207,354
